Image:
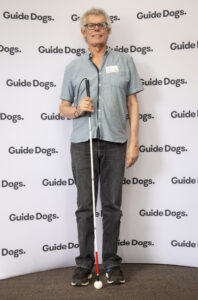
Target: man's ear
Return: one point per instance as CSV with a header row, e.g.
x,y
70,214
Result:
x,y
83,32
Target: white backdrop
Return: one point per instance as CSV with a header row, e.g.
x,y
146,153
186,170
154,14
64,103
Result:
x,y
37,193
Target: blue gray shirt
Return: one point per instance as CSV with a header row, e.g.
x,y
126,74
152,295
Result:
x,y
109,88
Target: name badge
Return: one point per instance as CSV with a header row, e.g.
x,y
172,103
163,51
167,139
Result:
x,y
111,69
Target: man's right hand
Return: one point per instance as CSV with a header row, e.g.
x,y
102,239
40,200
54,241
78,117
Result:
x,y
86,104
71,112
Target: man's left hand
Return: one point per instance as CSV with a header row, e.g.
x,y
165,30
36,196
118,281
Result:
x,y
132,154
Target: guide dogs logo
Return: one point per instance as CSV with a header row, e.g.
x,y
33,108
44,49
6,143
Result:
x,y
58,247
33,217
33,83
161,14
27,17
132,49
184,45
13,253
12,118
113,19
145,182
58,182
52,117
178,82
162,213
36,150
12,50
184,180
184,114
61,50
165,148
184,244
134,242
146,117
15,185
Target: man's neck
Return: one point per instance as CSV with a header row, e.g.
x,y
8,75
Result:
x,y
97,51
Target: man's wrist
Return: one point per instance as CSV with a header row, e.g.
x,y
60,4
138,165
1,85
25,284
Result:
x,y
134,143
78,112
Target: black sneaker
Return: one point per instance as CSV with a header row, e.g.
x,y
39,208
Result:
x,y
81,276
115,275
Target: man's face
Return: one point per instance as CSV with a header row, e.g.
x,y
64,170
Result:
x,y
97,36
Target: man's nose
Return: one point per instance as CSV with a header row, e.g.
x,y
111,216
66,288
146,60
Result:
x,y
97,27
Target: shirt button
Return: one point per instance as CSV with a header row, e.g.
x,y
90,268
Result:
x,y
100,84
100,73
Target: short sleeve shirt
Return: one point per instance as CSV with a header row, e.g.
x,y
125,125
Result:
x,y
116,79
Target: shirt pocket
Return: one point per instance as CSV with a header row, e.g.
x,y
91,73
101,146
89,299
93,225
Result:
x,y
118,79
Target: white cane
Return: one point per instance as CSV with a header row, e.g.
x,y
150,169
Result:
x,y
97,283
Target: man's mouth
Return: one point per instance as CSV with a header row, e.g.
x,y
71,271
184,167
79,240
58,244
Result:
x,y
96,35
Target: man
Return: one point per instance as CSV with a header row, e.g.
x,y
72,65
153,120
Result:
x,y
114,83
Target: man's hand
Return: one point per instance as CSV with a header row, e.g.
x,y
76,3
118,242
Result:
x,y
71,112
132,154
86,105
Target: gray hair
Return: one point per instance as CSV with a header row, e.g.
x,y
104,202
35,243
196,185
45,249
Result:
x,y
94,11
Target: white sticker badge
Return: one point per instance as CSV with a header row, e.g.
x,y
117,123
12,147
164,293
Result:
x,y
111,69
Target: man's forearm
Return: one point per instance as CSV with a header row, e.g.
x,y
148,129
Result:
x,y
133,109
133,146
70,112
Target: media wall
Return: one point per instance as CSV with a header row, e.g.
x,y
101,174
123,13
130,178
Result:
x,y
37,191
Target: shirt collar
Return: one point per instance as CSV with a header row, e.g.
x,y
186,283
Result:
x,y
89,54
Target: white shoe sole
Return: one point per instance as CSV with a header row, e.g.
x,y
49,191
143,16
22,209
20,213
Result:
x,y
110,282
83,284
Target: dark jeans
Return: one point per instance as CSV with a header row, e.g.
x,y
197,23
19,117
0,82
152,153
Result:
x,y
109,165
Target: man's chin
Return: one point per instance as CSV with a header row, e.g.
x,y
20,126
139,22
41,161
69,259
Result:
x,y
98,44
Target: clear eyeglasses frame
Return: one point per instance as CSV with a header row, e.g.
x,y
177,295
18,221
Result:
x,y
92,26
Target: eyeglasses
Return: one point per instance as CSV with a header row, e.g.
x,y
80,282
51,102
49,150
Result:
x,y
92,26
